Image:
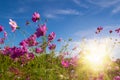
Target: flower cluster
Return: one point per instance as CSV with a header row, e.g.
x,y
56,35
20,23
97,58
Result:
x,y
23,52
99,29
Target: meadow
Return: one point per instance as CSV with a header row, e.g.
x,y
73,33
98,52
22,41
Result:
x,y
36,57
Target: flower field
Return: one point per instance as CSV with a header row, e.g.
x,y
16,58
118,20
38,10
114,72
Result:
x,y
36,57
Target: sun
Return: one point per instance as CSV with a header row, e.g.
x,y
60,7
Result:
x,y
94,59
95,54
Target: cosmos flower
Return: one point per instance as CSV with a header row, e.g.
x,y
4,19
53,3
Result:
x,y
1,28
99,29
110,31
5,34
59,40
74,60
116,78
41,31
101,76
2,40
13,25
51,36
27,22
30,41
38,50
117,30
16,52
30,56
35,16
23,43
65,63
52,46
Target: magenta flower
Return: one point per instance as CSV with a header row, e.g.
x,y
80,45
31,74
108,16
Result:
x,y
116,78
35,17
65,63
30,41
27,22
13,25
51,36
74,61
59,40
117,30
52,46
5,34
41,31
6,50
2,40
23,43
110,31
38,50
16,52
101,76
30,56
1,28
99,29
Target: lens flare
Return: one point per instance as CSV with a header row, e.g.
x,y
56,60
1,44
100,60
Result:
x,y
95,54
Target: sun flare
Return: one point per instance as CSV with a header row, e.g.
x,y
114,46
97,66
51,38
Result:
x,y
95,53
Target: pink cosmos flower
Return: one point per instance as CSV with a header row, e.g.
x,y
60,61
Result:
x,y
30,56
101,76
99,29
1,28
16,52
27,22
51,36
59,40
65,63
38,50
2,40
110,31
23,43
74,60
5,34
30,41
116,78
35,17
41,31
13,25
117,30
52,46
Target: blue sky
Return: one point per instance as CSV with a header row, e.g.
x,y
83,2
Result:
x,y
68,18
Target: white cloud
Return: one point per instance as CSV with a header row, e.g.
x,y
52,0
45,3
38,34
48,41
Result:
x,y
49,15
55,13
79,3
116,10
85,33
76,1
22,10
67,12
104,3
